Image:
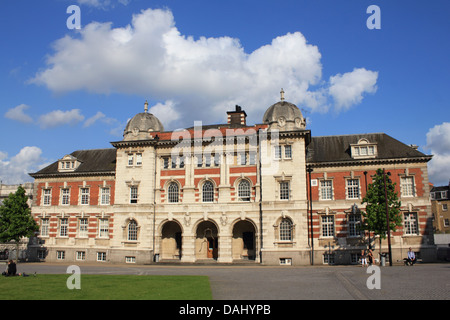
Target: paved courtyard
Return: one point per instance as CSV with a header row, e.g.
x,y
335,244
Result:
x,y
422,281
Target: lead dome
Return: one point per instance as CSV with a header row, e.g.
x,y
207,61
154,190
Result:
x,y
142,125
284,115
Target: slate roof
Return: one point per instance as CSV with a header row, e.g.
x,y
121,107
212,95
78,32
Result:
x,y
95,161
328,149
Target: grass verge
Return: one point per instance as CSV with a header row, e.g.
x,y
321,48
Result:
x,y
105,287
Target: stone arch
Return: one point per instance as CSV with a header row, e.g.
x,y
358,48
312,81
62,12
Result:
x,y
244,240
206,240
171,234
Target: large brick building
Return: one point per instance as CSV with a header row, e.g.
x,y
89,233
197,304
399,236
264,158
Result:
x,y
227,193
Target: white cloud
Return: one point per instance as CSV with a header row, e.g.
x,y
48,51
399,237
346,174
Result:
x,y
15,170
348,89
89,122
202,77
17,113
438,141
166,113
58,118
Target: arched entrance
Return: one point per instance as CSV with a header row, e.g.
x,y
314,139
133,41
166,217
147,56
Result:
x,y
244,241
206,241
171,236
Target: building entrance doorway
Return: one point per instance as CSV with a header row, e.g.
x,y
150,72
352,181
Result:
x,y
244,242
171,241
207,241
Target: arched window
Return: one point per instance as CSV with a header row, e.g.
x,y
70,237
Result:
x,y
286,230
244,190
132,230
173,192
208,192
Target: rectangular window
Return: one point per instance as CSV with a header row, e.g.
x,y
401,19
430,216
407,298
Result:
x,y
63,227
217,159
84,196
103,228
328,258
130,159
352,188
326,190
105,196
65,196
60,255
47,197
182,158
45,223
327,226
199,160
354,223
288,152
133,194
410,223
242,158
277,152
284,190
101,256
252,158
444,207
166,163
174,162
139,159
407,186
207,160
83,227
81,255
130,259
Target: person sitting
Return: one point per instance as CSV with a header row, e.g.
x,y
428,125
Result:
x,y
411,259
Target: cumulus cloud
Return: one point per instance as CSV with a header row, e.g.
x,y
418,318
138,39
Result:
x,y
438,142
347,89
58,118
18,114
202,77
165,112
15,170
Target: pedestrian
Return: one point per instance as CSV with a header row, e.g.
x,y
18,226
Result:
x,y
370,255
363,258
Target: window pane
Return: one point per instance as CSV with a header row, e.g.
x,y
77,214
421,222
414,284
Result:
x,y
173,193
286,230
208,192
284,190
244,190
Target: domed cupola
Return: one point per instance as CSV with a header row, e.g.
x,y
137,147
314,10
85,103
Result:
x,y
284,116
142,125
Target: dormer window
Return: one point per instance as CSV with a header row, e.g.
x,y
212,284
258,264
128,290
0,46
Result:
x,y
364,149
68,163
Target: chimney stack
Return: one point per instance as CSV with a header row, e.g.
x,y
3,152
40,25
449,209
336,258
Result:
x,y
237,117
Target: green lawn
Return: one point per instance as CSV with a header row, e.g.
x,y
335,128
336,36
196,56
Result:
x,y
105,287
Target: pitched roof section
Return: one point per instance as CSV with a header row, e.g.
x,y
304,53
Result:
x,y
329,149
92,162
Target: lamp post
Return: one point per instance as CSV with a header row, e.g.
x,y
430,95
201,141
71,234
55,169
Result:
x,y
387,218
309,169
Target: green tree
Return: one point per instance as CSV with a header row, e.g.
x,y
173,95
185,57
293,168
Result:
x,y
16,220
374,216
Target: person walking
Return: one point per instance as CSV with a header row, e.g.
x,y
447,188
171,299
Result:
x,y
363,258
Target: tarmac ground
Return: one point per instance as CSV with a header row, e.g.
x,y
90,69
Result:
x,y
276,283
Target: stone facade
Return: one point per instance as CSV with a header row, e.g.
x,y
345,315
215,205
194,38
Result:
x,y
227,193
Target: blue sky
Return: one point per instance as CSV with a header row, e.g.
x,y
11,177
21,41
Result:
x,y
65,89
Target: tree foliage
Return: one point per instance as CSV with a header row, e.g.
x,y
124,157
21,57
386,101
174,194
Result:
x,y
374,216
16,220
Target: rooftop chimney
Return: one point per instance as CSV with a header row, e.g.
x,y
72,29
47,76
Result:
x,y
237,117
